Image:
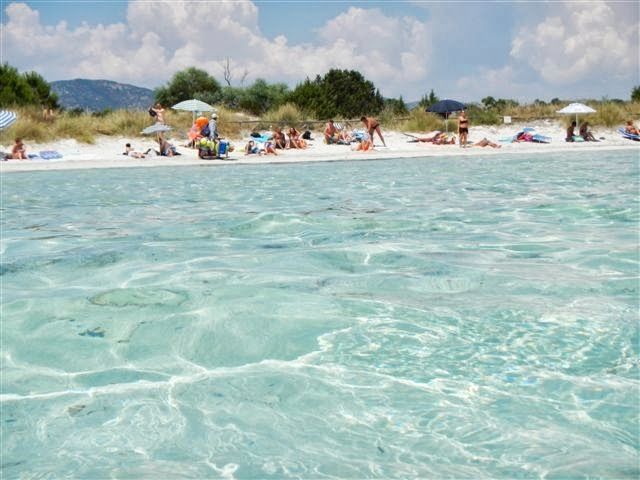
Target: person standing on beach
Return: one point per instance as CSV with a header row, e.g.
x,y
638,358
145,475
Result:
x,y
372,125
159,109
463,128
213,126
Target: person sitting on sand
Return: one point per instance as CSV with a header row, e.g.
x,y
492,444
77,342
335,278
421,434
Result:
x,y
486,143
585,133
363,144
166,149
295,141
570,132
372,125
631,129
251,148
19,151
279,138
269,148
330,133
130,152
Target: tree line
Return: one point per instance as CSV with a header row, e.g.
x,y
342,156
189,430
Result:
x,y
22,89
338,93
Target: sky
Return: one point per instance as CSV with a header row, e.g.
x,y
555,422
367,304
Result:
x,y
466,50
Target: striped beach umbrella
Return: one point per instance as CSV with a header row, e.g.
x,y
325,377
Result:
x,y
7,119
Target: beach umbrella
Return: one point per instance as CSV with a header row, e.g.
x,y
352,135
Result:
x,y
576,108
156,128
445,107
194,106
7,119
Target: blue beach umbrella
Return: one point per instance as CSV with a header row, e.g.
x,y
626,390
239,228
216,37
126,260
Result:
x,y
445,107
7,119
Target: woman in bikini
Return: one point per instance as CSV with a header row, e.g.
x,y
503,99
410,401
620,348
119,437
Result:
x,y
372,125
463,128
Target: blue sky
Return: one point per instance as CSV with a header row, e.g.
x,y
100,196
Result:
x,y
465,50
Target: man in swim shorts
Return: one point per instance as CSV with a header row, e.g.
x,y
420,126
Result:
x,y
372,125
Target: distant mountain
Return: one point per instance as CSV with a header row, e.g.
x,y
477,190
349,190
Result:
x,y
98,95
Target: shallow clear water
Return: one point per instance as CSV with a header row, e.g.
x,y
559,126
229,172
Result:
x,y
451,317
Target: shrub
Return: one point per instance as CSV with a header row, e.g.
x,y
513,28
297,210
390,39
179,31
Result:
x,y
421,121
608,114
287,114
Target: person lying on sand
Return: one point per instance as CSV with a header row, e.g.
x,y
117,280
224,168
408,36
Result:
x,y
486,143
631,129
428,138
129,151
443,139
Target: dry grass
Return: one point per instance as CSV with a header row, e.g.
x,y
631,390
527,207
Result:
x,y
419,121
85,127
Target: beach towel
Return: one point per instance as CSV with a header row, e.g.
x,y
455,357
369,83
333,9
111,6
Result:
x,y
527,134
627,135
50,154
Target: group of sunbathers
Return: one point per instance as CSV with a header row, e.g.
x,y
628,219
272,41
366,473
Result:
x,y
584,134
336,133
267,144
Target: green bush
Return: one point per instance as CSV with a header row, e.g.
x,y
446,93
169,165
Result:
x,y
421,121
608,114
285,115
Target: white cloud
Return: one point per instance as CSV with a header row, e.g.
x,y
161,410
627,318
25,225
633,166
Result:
x,y
161,38
583,40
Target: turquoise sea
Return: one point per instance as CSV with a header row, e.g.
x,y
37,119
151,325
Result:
x,y
434,318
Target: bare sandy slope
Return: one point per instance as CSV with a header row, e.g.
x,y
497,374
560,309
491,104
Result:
x,y
107,151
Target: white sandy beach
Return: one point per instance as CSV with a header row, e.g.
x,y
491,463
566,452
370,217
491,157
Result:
x,y
107,151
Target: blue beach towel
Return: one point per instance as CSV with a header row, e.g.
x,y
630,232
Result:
x,y
628,135
50,154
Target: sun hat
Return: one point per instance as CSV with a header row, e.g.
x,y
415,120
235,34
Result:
x,y
214,115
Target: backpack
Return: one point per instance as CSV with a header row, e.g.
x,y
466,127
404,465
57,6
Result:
x,y
152,112
205,132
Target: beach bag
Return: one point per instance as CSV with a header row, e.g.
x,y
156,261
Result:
x,y
152,112
205,132
222,147
307,135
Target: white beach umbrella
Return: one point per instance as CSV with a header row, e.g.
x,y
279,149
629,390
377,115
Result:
x,y
576,108
7,119
194,106
156,128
